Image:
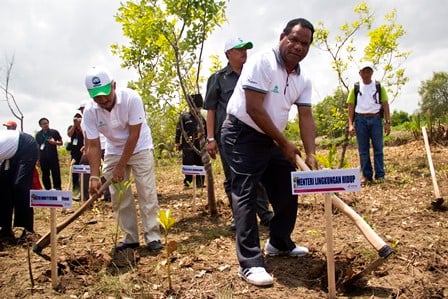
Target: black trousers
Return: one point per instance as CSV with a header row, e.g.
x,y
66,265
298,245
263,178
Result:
x,y
51,166
76,155
253,158
190,157
15,185
262,202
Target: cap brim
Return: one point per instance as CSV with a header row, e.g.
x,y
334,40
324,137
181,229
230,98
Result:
x,y
100,91
247,45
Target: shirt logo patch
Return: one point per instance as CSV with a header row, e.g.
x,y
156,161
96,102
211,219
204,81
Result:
x,y
275,90
101,124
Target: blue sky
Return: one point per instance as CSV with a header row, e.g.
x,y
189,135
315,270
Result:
x,y
53,43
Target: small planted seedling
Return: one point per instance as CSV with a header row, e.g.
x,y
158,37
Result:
x,y
166,221
121,187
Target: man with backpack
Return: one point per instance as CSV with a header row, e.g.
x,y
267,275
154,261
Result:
x,y
367,108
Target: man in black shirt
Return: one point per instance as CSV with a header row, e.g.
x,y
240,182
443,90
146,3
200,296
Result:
x,y
189,125
220,88
48,141
76,135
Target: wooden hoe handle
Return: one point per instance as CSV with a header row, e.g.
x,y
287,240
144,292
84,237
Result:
x,y
45,240
363,226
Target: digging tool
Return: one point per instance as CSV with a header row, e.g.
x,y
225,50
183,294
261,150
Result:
x,y
384,250
438,201
45,240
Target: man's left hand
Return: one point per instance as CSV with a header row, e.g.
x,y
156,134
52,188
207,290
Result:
x,y
387,128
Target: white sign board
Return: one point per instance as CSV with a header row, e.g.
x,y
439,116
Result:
x,y
325,181
81,169
50,199
193,170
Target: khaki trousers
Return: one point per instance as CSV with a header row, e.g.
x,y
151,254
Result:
x,y
142,166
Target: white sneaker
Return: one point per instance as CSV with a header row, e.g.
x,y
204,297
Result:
x,y
272,251
256,276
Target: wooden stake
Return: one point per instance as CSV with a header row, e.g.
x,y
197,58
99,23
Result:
x,y
54,266
431,165
330,251
194,193
81,187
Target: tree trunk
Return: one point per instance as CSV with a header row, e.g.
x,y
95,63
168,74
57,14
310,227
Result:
x,y
210,180
344,148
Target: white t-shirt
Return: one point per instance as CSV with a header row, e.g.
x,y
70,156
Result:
x,y
9,143
266,73
114,125
368,99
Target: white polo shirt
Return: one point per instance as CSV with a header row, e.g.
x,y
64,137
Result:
x,y
266,73
114,125
9,143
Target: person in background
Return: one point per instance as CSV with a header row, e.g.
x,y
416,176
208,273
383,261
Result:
x,y
84,161
10,125
48,141
187,128
365,119
257,151
120,116
75,145
220,88
18,157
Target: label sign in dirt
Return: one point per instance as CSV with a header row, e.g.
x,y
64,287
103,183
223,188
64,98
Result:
x,y
81,169
193,170
325,181
50,199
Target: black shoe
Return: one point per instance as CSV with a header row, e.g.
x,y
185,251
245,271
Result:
x,y
155,246
122,246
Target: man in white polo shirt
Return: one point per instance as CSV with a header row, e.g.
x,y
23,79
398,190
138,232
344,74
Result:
x,y
257,151
120,116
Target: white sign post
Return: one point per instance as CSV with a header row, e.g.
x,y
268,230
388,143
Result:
x,y
52,199
194,171
327,181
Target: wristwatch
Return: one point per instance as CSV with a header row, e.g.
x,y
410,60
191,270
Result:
x,y
210,139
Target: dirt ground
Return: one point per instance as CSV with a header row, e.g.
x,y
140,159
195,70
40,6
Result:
x,y
205,265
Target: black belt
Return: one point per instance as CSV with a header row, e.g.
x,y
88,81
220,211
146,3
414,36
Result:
x,y
232,117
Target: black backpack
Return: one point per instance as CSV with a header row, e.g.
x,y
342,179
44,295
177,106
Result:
x,y
378,91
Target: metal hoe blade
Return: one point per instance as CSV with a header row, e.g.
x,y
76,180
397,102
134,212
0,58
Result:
x,y
384,254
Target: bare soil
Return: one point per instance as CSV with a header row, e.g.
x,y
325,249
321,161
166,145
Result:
x,y
205,265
